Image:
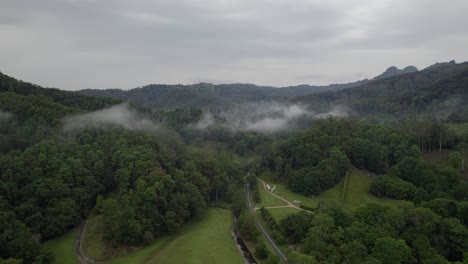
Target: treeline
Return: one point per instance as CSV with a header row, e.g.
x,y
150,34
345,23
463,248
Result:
x,y
439,90
49,187
317,159
66,98
145,185
374,233
431,228
430,135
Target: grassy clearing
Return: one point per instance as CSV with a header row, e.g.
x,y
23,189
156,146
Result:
x,y
267,198
63,248
345,187
357,191
281,213
357,188
333,193
94,245
354,193
207,240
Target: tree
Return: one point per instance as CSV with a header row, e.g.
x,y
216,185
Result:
x,y
391,251
261,251
456,160
463,150
295,226
99,204
439,133
450,240
112,220
246,224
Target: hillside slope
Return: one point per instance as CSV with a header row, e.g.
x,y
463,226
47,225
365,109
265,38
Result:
x,y
217,98
437,90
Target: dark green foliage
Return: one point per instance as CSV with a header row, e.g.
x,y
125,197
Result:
x,y
246,225
378,234
16,241
393,187
206,96
68,99
429,91
143,185
295,226
317,159
261,251
308,208
389,250
268,218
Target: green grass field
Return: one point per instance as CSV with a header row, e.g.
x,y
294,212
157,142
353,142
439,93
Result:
x,y
204,240
281,213
63,248
268,199
207,240
330,194
355,193
94,245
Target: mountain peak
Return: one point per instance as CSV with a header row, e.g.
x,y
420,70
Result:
x,y
393,71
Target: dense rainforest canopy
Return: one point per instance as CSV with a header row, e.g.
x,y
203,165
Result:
x,y
150,169
431,228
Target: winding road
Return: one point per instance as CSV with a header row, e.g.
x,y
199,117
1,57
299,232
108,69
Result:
x,y
79,238
282,255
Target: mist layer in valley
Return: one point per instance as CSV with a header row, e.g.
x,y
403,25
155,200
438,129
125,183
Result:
x,y
266,117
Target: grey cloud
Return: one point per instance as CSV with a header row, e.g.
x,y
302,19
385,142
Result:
x,y
75,44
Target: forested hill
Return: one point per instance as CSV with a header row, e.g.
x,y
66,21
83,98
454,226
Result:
x,y
210,96
30,113
220,97
59,160
66,98
439,90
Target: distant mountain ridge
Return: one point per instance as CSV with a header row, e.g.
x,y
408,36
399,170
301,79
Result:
x,y
219,97
394,71
436,92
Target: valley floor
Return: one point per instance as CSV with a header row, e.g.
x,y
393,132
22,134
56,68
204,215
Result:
x,y
351,191
205,240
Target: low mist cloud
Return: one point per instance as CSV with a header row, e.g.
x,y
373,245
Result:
x,y
206,121
5,115
119,115
267,116
337,110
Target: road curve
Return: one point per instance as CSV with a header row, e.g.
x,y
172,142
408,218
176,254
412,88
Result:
x,y
281,254
79,238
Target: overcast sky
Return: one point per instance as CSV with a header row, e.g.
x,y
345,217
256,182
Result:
x,y
77,44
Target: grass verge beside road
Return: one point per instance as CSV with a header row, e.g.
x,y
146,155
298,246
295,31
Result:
x,y
63,248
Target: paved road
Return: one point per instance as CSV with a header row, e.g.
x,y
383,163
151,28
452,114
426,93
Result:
x,y
79,238
283,257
